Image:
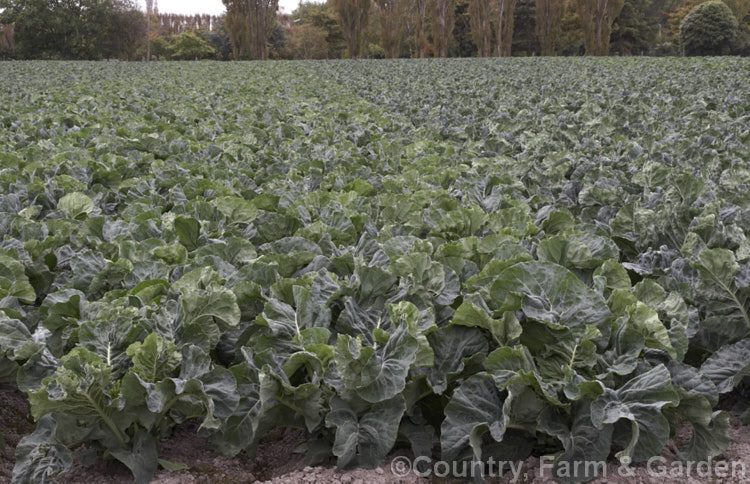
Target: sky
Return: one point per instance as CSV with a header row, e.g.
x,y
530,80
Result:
x,y
213,7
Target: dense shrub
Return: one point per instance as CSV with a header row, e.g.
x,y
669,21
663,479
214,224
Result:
x,y
709,29
189,46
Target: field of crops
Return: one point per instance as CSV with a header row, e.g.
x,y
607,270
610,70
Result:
x,y
461,258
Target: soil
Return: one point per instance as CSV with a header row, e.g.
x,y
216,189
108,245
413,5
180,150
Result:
x,y
14,424
662,471
277,461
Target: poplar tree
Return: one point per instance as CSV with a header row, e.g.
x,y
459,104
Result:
x,y
250,24
353,16
548,18
443,17
597,17
391,25
480,18
418,9
504,37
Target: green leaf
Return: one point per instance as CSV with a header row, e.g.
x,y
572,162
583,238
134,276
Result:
x,y
188,231
312,304
474,409
671,309
515,366
40,457
214,304
83,387
171,466
622,356
154,359
419,327
548,292
363,439
284,403
698,396
14,338
453,346
726,306
574,353
140,457
708,441
640,401
76,205
615,275
281,318
646,321
376,373
150,290
14,282
237,432
558,221
62,309
581,440
236,210
503,330
173,254
565,251
110,333
421,438
727,366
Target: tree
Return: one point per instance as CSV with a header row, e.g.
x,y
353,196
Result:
x,y
570,42
463,42
6,40
250,24
525,40
443,16
353,16
149,13
308,42
277,42
189,46
675,15
740,8
262,18
391,13
70,29
633,30
505,17
548,16
237,27
480,15
597,17
708,29
161,47
322,16
418,8
218,39
124,35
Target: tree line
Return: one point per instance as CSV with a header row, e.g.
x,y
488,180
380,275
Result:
x,y
485,28
255,29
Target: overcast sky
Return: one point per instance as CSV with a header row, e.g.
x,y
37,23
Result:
x,y
213,7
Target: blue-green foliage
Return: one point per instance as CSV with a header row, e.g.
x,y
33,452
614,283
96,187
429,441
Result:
x,y
463,253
